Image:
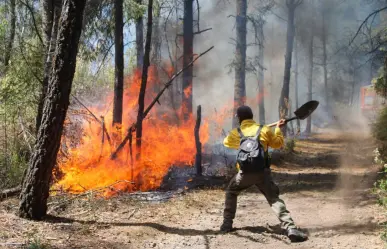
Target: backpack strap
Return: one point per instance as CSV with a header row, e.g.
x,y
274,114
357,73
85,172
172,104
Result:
x,y
258,132
240,133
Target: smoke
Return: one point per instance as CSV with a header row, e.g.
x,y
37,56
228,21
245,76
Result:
x,y
214,79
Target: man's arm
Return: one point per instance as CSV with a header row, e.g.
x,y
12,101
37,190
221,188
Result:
x,y
276,139
232,140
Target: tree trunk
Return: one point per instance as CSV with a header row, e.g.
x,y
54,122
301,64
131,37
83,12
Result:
x,y
198,157
289,114
119,64
353,83
144,78
12,27
187,58
310,80
261,83
296,83
283,101
35,189
140,39
156,40
324,43
51,11
240,58
156,60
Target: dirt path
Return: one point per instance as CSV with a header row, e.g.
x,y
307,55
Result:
x,y
325,184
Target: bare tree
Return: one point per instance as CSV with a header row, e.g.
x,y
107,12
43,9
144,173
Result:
x,y
324,37
144,78
187,58
240,57
11,38
35,189
139,38
308,129
283,101
261,70
119,64
296,72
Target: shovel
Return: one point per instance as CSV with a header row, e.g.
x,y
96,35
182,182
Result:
x,y
301,113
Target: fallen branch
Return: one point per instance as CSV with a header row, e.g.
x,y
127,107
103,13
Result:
x,y
132,128
10,192
92,191
12,244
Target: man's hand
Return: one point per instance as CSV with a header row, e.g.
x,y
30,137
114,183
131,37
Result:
x,y
280,123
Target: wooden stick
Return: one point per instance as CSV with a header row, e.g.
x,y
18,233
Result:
x,y
198,157
132,128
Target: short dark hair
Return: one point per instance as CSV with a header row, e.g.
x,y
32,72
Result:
x,y
244,112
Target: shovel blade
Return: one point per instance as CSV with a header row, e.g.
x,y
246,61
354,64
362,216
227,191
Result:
x,y
306,109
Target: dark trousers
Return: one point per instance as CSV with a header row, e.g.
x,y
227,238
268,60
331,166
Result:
x,y
269,189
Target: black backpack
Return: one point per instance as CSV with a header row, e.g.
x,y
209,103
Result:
x,y
251,156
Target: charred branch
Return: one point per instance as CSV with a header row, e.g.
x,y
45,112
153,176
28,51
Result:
x,y
198,144
198,32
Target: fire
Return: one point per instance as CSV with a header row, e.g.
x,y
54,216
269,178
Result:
x,y
188,91
88,165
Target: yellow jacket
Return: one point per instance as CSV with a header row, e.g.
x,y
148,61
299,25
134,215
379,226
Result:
x,y
249,128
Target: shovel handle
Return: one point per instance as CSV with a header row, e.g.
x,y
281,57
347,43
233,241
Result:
x,y
286,120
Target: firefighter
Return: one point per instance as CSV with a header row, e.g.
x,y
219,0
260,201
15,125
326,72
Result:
x,y
262,179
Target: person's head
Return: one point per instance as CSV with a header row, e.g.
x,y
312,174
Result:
x,y
244,112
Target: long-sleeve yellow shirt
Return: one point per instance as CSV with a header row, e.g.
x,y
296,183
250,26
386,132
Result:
x,y
249,128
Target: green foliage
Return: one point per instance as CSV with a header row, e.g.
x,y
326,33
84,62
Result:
x,y
3,33
134,10
13,161
19,92
21,85
380,86
380,189
290,145
37,244
89,82
380,133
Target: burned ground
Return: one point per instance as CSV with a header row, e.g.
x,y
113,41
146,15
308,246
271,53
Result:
x,y
326,184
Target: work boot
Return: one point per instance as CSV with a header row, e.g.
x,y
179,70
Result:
x,y
226,227
296,235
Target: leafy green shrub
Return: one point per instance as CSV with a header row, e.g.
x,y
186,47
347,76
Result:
x,y
380,134
290,145
13,164
37,244
380,190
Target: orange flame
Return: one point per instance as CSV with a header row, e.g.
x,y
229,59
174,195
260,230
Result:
x,y
88,165
188,91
